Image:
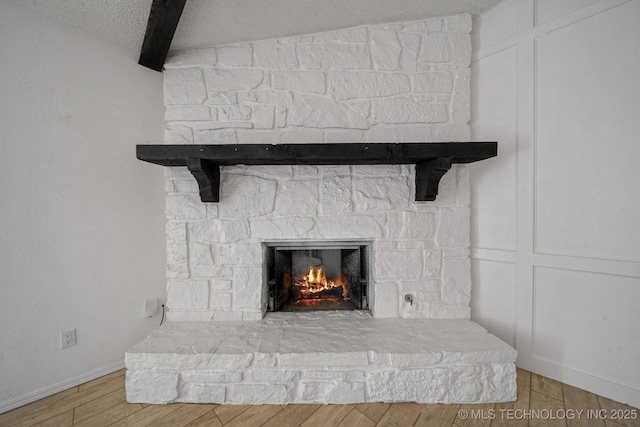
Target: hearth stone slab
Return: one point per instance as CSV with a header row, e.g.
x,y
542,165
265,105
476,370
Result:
x,y
321,357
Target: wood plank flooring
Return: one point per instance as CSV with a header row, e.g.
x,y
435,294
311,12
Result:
x,y
541,402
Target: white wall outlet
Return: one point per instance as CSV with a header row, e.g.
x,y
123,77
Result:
x,y
68,338
150,307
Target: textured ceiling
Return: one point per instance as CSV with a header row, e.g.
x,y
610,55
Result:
x,y
212,22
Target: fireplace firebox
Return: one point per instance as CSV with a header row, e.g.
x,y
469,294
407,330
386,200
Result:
x,y
317,276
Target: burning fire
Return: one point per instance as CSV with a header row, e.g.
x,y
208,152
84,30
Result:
x,y
315,282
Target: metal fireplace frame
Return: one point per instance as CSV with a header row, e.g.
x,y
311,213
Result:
x,y
277,256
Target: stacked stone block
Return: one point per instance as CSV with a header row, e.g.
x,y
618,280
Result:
x,y
405,82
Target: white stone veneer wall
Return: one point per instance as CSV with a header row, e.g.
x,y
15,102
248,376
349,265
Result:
x,y
405,82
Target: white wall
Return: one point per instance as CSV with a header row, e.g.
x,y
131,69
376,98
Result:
x,y
81,219
555,235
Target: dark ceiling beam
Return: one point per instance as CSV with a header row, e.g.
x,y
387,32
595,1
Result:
x,y
162,24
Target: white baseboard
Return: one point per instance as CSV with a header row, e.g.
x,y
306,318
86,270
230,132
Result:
x,y
56,388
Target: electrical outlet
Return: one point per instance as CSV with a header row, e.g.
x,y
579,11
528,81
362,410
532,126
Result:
x,y
68,338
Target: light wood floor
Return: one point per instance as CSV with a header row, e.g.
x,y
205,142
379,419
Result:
x,y
101,402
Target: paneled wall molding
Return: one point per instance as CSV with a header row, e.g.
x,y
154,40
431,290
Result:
x,y
544,28
554,82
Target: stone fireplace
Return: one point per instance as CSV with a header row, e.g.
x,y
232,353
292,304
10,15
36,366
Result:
x,y
280,234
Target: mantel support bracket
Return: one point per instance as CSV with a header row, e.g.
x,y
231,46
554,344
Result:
x,y
207,174
428,175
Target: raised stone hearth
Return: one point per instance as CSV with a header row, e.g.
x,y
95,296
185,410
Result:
x,y
321,357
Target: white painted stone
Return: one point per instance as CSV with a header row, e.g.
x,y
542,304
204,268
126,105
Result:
x,y
433,82
328,358
406,110
347,375
461,97
215,136
385,303
281,228
237,254
177,134
177,266
234,56
334,136
415,225
305,171
451,361
410,44
273,375
454,48
372,194
214,125
434,385
247,289
184,207
255,394
187,113
222,98
245,195
432,263
337,170
446,311
297,198
456,288
224,80
335,193
200,255
184,87
185,186
235,112
362,107
187,354
334,392
151,387
211,376
219,284
454,228
271,55
333,56
300,81
318,112
265,360
280,136
398,265
279,99
346,227
198,392
219,230
263,116
376,170
220,300
366,84
385,50
347,35
412,97
188,295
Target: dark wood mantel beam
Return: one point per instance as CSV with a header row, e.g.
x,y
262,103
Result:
x,y
432,160
162,24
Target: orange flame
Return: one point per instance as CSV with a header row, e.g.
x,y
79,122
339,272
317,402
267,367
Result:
x,y
315,281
